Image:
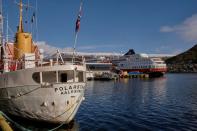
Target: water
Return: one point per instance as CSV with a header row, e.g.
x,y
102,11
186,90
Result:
x,y
166,103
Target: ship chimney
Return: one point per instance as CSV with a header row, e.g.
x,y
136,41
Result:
x,y
23,40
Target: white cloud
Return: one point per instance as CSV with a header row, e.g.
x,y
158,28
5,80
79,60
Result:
x,y
50,50
88,47
187,29
98,46
178,51
166,29
162,48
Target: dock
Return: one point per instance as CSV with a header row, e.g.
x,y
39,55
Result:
x,y
4,124
134,75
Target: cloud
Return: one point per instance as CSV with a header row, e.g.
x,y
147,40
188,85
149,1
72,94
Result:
x,y
187,29
166,29
88,47
162,48
50,50
98,46
177,51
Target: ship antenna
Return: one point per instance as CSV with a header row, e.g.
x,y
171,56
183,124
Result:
x,y
36,35
7,31
1,29
1,22
21,5
20,28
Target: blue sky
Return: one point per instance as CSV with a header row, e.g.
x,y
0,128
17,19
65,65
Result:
x,y
148,26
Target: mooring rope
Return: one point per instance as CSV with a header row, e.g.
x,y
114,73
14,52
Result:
x,y
16,124
57,127
23,128
68,117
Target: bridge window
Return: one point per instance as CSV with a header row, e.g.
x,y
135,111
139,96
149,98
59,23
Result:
x,y
63,77
49,76
36,77
79,76
66,76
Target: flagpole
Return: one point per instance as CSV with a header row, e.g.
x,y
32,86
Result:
x,y
76,36
77,30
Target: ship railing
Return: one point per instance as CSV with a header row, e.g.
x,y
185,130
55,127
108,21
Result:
x,y
13,65
54,63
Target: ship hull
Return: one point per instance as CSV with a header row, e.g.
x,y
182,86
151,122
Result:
x,y
51,104
54,103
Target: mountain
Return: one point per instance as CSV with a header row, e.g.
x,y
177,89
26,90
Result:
x,y
187,57
184,62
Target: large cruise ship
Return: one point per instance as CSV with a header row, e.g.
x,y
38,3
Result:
x,y
142,63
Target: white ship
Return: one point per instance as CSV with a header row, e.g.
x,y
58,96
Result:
x,y
141,63
32,88
100,71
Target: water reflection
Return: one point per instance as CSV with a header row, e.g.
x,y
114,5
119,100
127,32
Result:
x,y
166,103
154,90
42,126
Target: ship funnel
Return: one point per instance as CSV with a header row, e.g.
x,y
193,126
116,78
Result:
x,y
130,52
23,40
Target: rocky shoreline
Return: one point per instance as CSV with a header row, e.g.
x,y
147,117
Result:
x,y
182,68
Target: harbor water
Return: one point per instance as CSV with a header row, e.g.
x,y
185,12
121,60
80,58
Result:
x,y
165,103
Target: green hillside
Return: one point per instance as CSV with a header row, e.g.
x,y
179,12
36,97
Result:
x,y
188,57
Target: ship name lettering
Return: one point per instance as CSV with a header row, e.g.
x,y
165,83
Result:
x,y
69,89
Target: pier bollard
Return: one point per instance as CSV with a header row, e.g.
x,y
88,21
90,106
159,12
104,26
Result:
x,y
4,125
142,75
125,74
146,75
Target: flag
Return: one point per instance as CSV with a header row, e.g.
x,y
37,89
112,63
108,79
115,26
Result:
x,y
79,18
1,17
33,17
77,24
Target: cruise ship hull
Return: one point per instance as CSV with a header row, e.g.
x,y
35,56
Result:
x,y
153,72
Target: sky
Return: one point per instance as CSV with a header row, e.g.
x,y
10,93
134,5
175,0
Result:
x,y
147,26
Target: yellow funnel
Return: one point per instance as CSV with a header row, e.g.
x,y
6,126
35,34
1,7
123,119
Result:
x,y
23,44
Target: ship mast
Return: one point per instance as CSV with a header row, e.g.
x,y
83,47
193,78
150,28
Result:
x,y
1,29
20,28
1,22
